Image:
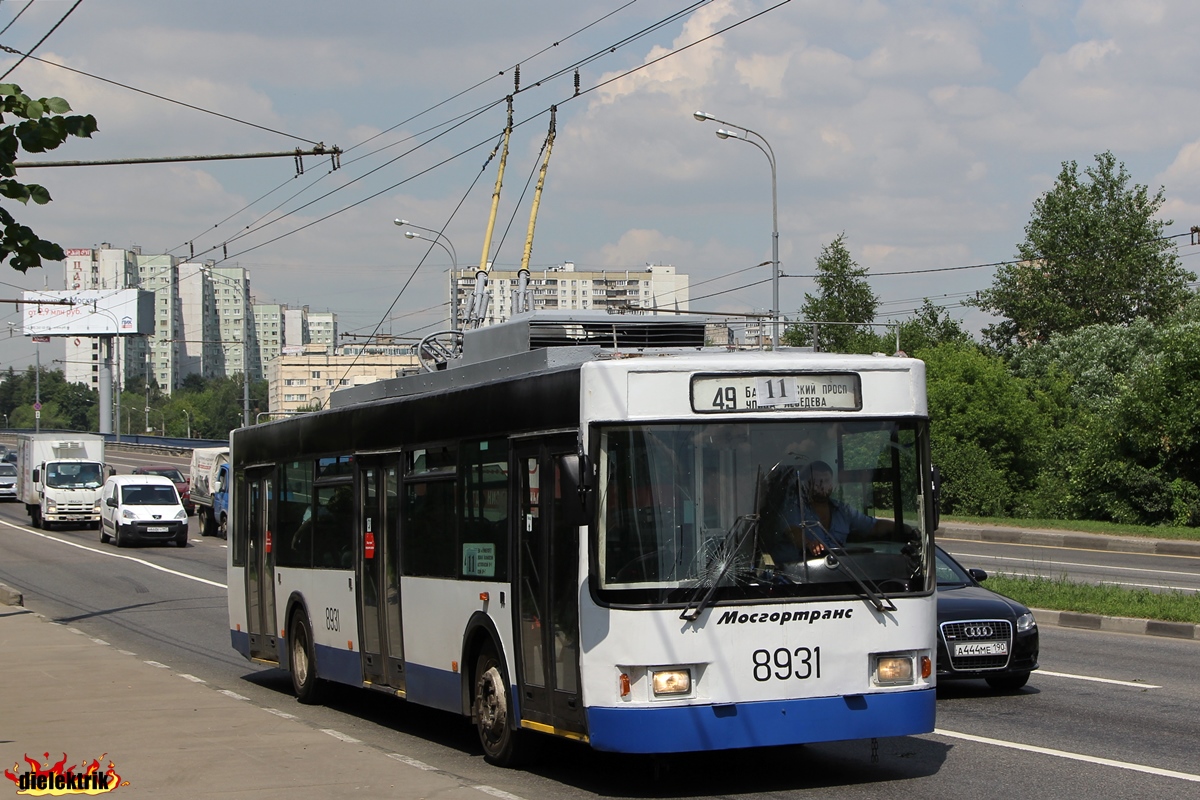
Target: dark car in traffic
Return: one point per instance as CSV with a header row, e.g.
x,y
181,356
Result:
x,y
981,634
174,475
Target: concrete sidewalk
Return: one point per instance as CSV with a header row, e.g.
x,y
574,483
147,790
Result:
x,y
169,736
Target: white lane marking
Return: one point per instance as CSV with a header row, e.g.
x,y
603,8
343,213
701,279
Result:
x,y
1105,762
1072,549
279,713
494,792
127,652
149,564
1134,684
156,664
233,694
100,641
1051,563
76,631
192,678
341,736
412,762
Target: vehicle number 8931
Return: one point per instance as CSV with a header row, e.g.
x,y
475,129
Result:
x,y
783,664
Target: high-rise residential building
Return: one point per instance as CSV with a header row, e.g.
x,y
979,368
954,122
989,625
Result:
x,y
103,267
268,332
322,329
655,288
203,319
305,379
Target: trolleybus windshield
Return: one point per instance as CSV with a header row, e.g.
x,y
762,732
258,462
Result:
x,y
728,510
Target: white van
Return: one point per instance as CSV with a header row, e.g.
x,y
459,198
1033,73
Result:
x,y
136,508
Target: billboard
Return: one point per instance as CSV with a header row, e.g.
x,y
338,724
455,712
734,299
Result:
x,y
95,312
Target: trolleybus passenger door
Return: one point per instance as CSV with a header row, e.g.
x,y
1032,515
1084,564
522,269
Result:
x,y
547,580
258,496
379,571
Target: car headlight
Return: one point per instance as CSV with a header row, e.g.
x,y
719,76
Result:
x,y
1025,622
50,504
181,514
671,681
127,514
96,505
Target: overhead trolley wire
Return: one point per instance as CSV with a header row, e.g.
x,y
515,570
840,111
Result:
x,y
457,121
24,56
17,17
472,147
152,94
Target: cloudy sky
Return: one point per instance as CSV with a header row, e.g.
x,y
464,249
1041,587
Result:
x,y
924,130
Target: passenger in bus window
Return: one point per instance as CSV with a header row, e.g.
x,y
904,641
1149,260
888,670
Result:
x,y
820,521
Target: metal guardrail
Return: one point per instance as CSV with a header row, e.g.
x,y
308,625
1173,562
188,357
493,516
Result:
x,y
131,442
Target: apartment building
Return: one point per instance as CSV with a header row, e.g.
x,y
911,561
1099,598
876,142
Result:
x,y
655,288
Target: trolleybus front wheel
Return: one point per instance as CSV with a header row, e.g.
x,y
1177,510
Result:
x,y
302,662
493,711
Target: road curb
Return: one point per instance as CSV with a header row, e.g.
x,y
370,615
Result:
x,y
1096,622
10,596
1085,541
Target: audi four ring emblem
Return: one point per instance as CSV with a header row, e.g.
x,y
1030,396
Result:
x,y
978,631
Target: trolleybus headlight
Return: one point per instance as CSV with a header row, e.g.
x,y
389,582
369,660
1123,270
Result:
x,y
894,670
1025,622
671,681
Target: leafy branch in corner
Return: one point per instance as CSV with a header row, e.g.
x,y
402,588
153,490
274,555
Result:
x,y
43,126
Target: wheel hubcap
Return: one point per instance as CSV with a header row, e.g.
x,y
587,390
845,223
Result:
x,y
493,711
300,658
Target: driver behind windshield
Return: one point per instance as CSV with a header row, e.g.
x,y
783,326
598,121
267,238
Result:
x,y
817,521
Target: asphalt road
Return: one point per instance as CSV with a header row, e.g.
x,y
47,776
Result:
x,y
1129,570
1110,715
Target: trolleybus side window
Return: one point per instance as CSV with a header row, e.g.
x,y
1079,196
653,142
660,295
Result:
x,y
484,518
293,546
428,541
333,534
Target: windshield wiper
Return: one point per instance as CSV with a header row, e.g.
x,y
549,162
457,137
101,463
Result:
x,y
739,532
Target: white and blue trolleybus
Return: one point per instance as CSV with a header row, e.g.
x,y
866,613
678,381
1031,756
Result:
x,y
593,526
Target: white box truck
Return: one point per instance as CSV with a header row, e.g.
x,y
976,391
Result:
x,y
208,483
59,478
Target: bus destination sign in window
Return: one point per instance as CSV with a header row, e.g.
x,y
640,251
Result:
x,y
717,394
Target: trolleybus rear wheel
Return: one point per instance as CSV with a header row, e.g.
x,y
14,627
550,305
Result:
x,y
302,662
493,711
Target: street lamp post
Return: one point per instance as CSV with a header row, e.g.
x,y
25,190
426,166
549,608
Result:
x,y
438,239
189,422
765,147
161,414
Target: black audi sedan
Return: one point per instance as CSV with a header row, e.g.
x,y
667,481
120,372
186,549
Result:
x,y
981,634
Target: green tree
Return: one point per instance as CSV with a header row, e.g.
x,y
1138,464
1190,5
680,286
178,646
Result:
x,y
1093,253
987,430
43,127
845,297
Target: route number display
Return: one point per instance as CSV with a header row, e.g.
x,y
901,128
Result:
x,y
721,394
